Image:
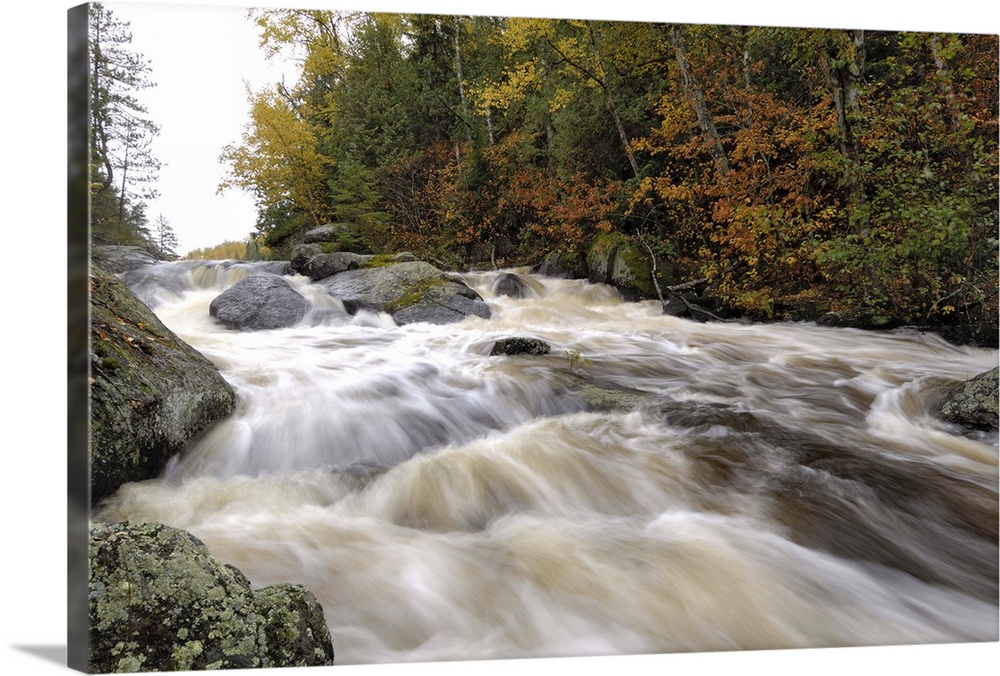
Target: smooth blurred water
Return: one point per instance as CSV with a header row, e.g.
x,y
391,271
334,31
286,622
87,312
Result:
x,y
784,485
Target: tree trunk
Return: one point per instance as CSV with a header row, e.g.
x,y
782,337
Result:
x,y
697,98
602,80
461,85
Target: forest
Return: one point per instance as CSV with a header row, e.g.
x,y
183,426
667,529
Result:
x,y
799,171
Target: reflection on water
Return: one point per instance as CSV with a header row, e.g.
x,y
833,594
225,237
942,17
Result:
x,y
783,486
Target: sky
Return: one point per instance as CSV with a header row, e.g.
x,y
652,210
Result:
x,y
34,413
204,61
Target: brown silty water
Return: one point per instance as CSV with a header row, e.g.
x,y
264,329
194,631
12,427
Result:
x,y
775,486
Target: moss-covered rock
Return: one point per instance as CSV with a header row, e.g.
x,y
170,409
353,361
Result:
x,y
563,264
159,601
616,260
411,292
150,392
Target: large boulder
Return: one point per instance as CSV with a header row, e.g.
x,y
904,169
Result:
x,y
411,292
615,260
322,265
563,264
121,259
150,392
159,601
973,404
260,302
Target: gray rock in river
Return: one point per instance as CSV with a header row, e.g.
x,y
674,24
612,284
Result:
x,y
974,403
260,302
411,292
150,392
323,265
513,346
159,601
510,284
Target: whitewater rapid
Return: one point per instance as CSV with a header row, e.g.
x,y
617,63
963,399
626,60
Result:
x,y
780,486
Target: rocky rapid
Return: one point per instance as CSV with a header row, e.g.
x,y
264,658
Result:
x,y
644,484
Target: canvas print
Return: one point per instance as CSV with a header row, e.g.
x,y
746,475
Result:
x,y
422,337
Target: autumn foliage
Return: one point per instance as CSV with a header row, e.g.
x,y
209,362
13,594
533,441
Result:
x,y
799,170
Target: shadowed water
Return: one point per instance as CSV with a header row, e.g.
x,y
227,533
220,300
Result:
x,y
783,486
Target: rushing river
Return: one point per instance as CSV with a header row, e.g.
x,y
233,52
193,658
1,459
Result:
x,y
781,486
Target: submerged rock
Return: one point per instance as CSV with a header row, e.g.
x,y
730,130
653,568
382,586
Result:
x,y
260,302
512,346
159,601
150,392
509,284
974,403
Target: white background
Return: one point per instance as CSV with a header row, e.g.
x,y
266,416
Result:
x,y
33,582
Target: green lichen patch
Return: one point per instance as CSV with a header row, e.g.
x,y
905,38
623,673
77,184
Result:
x,y
415,293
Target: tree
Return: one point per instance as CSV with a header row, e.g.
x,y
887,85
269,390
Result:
x,y
122,163
164,238
280,163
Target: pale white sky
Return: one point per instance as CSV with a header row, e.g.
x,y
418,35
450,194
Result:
x,y
203,58
203,55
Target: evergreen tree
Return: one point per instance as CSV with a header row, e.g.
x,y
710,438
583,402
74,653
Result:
x,y
165,238
122,165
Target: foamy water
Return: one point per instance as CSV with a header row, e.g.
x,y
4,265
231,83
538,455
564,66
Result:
x,y
783,486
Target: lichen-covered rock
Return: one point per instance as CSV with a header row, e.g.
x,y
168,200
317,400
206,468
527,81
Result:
x,y
150,392
295,631
159,601
411,292
260,302
974,403
512,346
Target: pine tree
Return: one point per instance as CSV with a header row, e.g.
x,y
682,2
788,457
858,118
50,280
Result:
x,y
165,238
122,165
